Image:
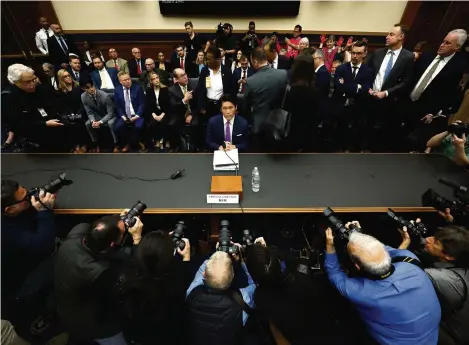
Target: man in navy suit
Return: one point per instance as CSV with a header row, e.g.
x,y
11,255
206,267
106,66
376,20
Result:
x,y
104,78
130,103
227,130
351,84
241,74
78,74
323,80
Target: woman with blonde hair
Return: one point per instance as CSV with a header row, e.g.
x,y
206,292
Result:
x,y
71,109
199,62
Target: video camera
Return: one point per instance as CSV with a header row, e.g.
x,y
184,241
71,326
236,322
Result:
x,y
52,186
338,226
248,239
178,234
458,208
414,229
136,211
458,129
224,240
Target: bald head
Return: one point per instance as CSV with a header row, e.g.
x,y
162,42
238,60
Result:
x,y
150,64
368,254
219,271
136,53
57,29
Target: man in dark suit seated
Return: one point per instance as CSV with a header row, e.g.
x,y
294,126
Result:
x,y
264,92
351,84
137,64
184,116
130,102
275,60
60,48
392,72
150,66
182,61
241,74
78,74
434,87
104,78
227,130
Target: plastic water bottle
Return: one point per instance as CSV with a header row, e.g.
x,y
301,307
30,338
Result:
x,y
256,180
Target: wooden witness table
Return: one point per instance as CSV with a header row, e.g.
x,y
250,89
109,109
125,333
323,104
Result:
x,y
290,183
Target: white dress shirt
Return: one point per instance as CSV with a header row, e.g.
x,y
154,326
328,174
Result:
x,y
215,91
53,82
41,40
379,80
275,62
441,65
317,69
132,112
106,81
358,70
157,95
231,127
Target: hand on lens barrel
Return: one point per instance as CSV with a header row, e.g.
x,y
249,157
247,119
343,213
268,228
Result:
x,y
354,222
186,252
405,235
330,248
261,241
46,201
447,215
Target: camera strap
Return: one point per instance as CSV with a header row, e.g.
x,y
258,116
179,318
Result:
x,y
236,295
407,259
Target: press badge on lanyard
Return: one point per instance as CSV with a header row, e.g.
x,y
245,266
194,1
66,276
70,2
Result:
x,y
208,82
42,112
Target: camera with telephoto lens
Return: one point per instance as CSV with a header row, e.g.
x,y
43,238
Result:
x,y
248,240
458,208
178,234
52,186
338,226
136,211
70,118
219,31
458,129
224,240
414,229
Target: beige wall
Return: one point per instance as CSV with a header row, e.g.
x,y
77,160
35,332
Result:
x,y
348,16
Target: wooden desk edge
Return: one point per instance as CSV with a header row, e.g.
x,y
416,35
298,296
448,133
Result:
x,y
248,210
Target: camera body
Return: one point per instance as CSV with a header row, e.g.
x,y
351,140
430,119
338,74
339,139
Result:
x,y
178,234
224,240
338,226
414,229
136,211
458,207
458,129
52,186
70,118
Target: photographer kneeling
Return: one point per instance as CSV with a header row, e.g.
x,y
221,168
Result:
x,y
450,277
85,273
394,296
217,314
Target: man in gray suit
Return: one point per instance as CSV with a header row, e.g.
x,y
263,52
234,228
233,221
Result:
x,y
264,92
100,111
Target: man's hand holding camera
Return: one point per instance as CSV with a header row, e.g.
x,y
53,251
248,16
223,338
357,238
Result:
x,y
136,230
46,201
186,252
330,247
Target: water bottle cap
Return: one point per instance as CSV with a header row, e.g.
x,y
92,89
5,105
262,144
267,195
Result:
x,y
255,168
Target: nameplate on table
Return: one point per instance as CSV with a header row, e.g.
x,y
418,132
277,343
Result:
x,y
222,198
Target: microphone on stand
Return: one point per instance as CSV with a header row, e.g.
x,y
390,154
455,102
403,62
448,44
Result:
x,y
231,159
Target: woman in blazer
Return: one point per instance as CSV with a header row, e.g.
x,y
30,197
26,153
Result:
x,y
156,114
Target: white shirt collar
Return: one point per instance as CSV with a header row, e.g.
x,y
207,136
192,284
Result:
x,y
124,88
317,69
276,61
396,52
351,65
231,121
446,59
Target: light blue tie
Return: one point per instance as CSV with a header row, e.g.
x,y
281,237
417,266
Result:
x,y
127,103
389,66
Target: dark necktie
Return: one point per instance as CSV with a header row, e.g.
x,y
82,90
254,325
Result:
x,y
77,76
62,44
47,32
243,85
355,70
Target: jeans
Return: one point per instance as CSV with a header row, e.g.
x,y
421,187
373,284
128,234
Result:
x,y
117,339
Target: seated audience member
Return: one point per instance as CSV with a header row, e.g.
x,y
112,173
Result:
x,y
71,107
409,314
214,81
242,73
60,47
162,63
151,290
157,115
335,65
214,315
434,87
452,146
237,61
85,274
90,51
293,43
193,42
137,64
130,107
199,63
182,61
78,74
99,109
116,62
228,130
450,277
104,78
301,101
264,92
29,110
276,60
249,42
28,236
183,107
304,43
51,76
352,81
144,80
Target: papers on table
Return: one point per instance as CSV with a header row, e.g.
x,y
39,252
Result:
x,y
222,161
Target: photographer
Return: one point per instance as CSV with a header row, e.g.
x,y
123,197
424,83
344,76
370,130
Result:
x,y
151,290
217,315
250,40
28,235
451,145
228,42
86,267
393,296
450,277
